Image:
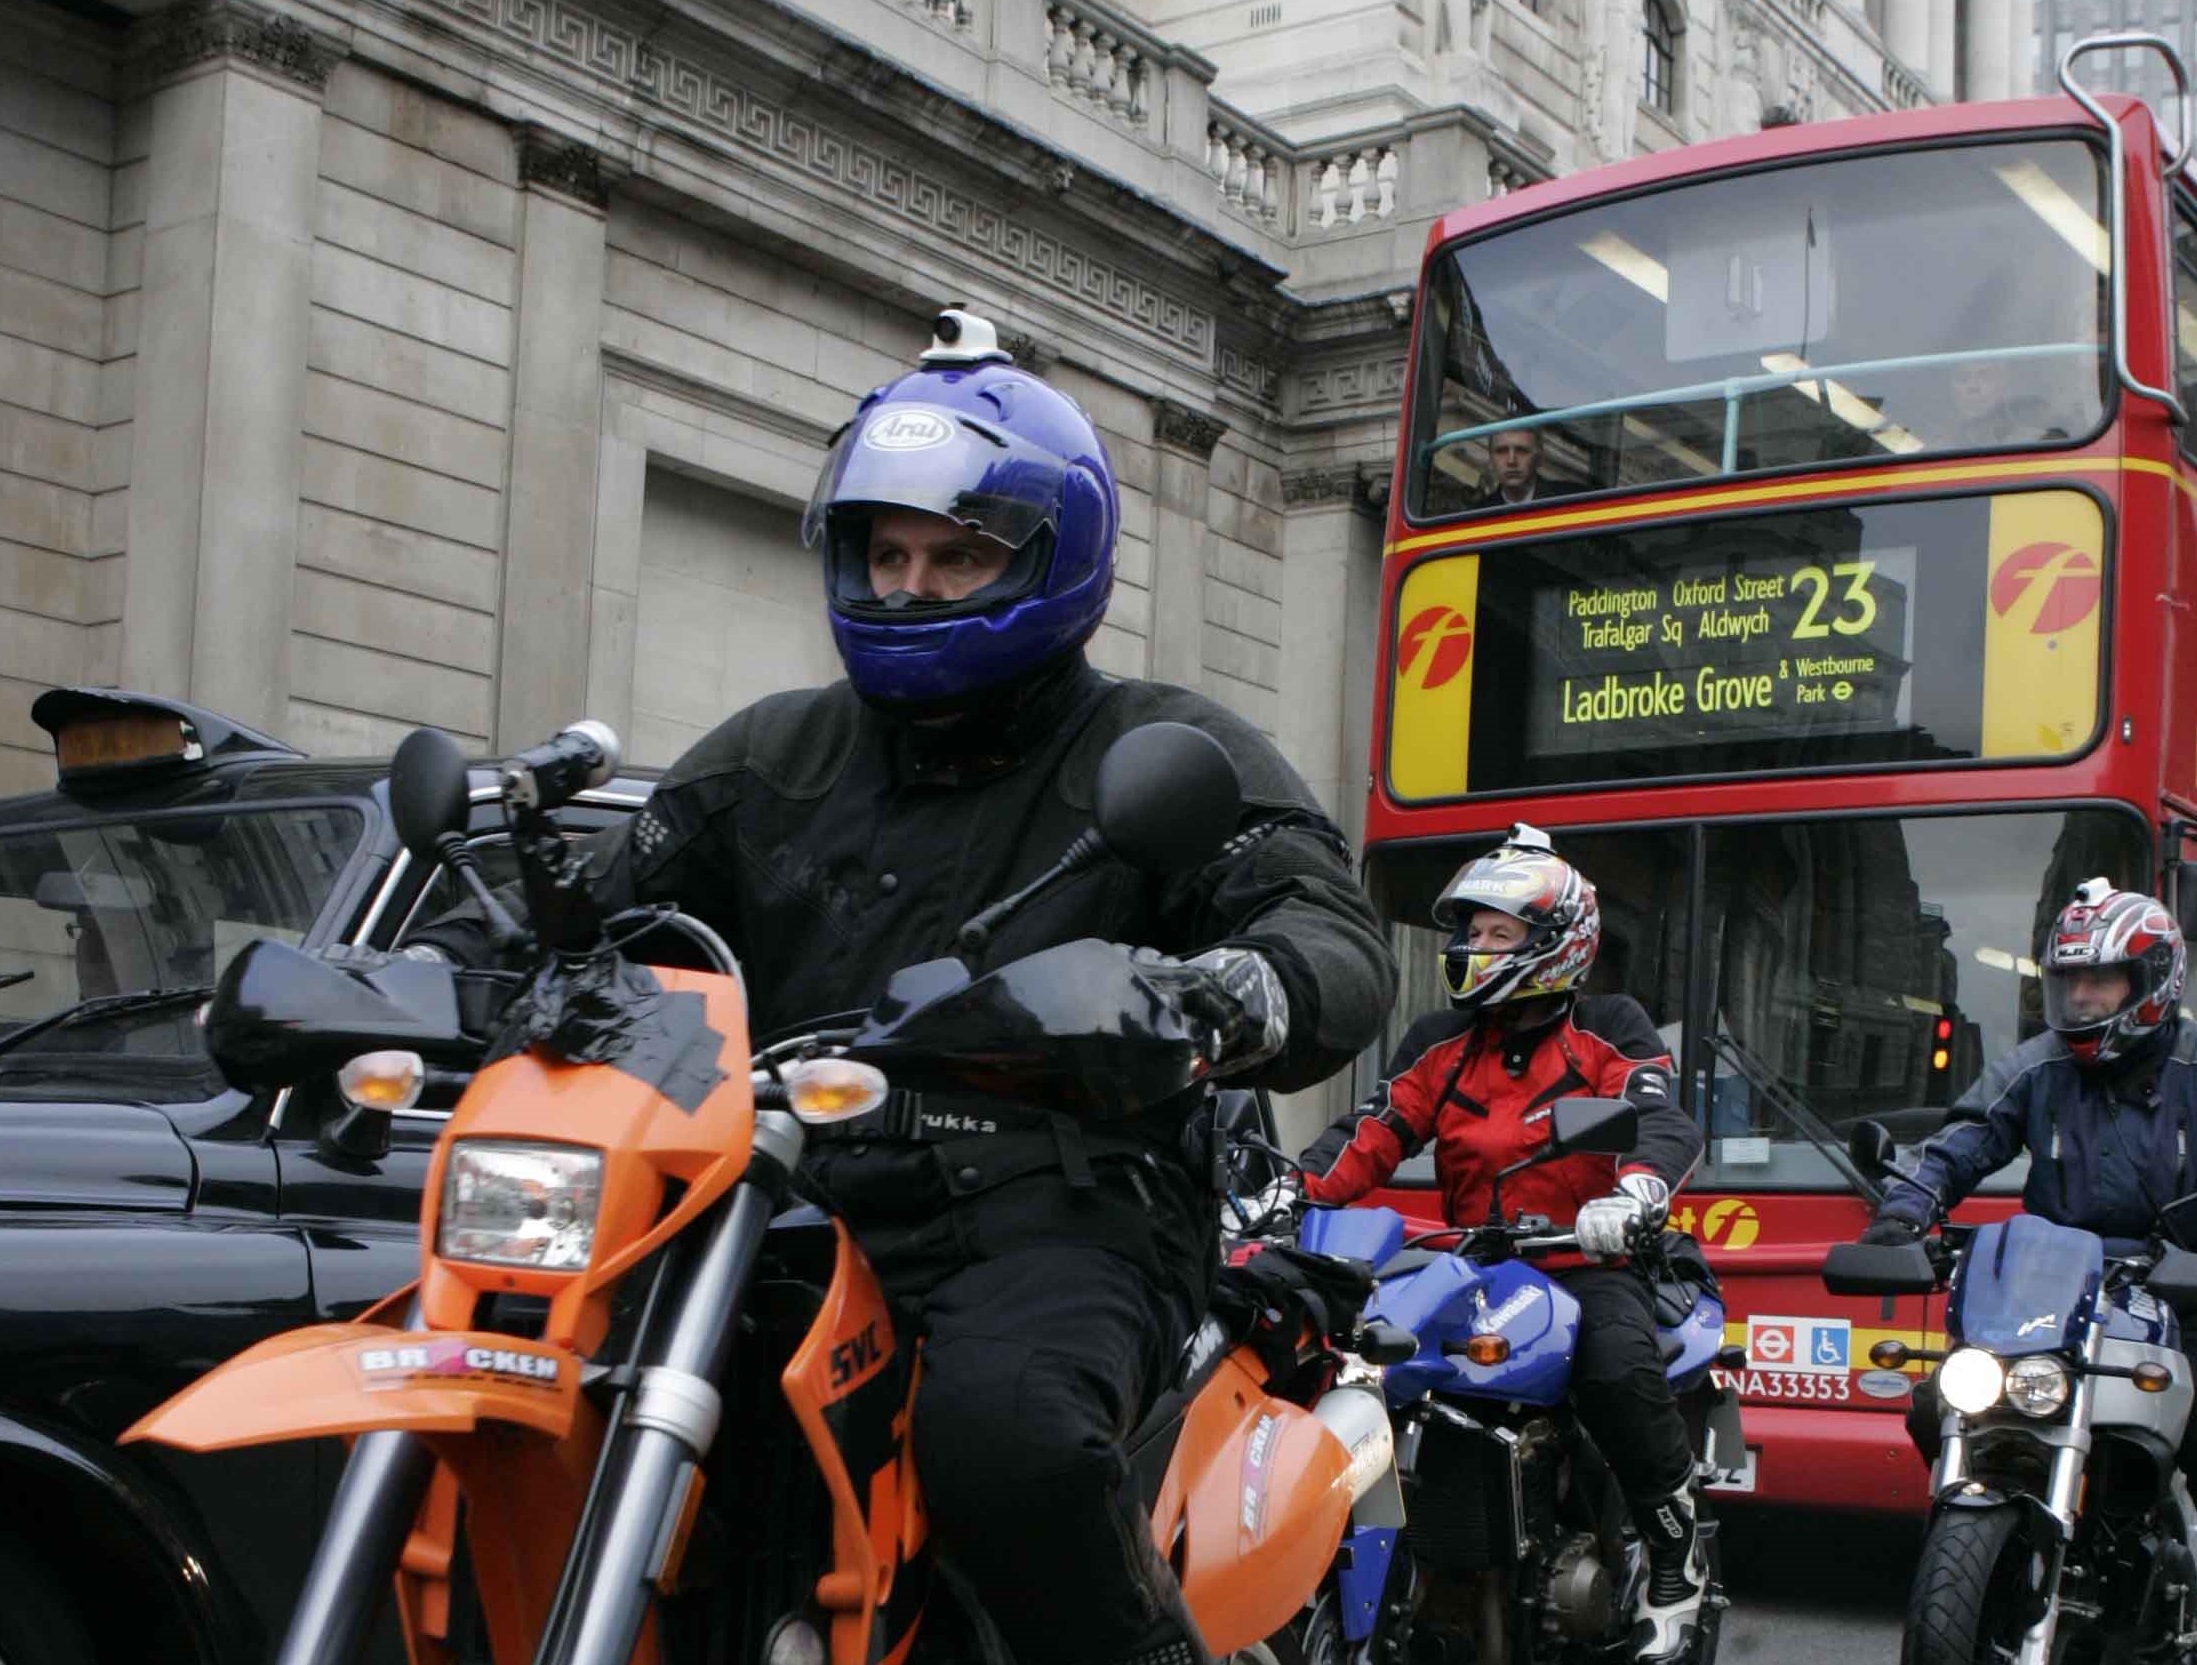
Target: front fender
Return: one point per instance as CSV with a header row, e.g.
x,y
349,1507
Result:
x,y
138,1516
2040,1527
334,1379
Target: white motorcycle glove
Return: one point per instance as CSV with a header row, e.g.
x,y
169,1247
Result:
x,y
1264,1210
1610,1227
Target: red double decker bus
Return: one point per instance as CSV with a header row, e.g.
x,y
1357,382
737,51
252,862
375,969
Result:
x,y
1800,528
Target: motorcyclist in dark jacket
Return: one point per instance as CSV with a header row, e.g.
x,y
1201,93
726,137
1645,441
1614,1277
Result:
x,y
966,520
2104,1101
1476,1082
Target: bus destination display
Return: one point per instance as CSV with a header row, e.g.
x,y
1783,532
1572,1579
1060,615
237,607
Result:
x,y
1735,649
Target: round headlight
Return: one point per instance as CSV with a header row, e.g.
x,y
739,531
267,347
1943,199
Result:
x,y
1971,1380
2036,1386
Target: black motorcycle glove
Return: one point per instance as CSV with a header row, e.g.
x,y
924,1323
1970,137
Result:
x,y
1892,1229
1233,994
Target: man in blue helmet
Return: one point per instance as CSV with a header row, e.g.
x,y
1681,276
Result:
x,y
966,521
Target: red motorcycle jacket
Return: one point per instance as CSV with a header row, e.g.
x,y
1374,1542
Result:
x,y
1482,1094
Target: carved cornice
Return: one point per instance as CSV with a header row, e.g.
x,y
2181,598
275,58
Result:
x,y
677,82
179,40
1250,375
555,163
1357,485
1185,429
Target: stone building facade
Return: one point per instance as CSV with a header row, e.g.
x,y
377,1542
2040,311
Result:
x,y
366,364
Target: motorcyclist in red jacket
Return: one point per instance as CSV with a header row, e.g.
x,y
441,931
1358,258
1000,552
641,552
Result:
x,y
1477,1081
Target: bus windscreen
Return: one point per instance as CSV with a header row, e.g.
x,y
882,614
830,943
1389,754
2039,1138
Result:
x,y
1827,312
1865,635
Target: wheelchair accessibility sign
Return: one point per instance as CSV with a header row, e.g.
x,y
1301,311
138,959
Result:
x,y
1809,1344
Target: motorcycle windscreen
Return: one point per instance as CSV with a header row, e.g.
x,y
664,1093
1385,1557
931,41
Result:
x,y
2022,1284
355,1378
1372,1235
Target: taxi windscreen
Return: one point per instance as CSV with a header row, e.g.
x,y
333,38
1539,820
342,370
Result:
x,y
1853,637
161,901
1869,308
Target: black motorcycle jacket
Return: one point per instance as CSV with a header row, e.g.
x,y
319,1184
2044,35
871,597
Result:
x,y
2108,1147
832,844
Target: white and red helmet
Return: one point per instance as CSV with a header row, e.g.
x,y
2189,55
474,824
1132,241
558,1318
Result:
x,y
2104,929
1525,878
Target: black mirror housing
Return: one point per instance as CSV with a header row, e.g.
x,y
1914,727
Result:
x,y
1871,1148
1608,1126
429,793
1167,797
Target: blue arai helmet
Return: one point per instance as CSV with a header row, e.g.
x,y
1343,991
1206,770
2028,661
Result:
x,y
970,437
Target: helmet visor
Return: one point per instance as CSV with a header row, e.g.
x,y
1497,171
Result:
x,y
902,456
2081,998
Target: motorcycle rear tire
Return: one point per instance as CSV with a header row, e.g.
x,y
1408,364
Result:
x,y
38,1626
1966,1585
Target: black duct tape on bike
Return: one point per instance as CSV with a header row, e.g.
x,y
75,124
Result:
x,y
606,1010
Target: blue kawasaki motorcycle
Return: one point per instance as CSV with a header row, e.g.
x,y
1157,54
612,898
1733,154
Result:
x,y
1517,1548
2061,1526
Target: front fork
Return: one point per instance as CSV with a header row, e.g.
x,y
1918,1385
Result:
x,y
2062,1497
657,1437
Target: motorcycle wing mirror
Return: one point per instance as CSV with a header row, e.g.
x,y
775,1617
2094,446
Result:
x,y
1167,797
1610,1126
1879,1269
1871,1148
428,792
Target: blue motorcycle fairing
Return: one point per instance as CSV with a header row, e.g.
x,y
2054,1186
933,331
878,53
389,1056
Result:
x,y
2025,1285
1452,1300
2137,1315
1361,1576
1372,1235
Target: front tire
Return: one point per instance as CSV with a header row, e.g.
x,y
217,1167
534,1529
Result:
x,y
38,1626
1313,1637
1969,1590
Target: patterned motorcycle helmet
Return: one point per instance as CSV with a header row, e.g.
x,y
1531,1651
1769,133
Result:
x,y
970,438
1525,878
2108,930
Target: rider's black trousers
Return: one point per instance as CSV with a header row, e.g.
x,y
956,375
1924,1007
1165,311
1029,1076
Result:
x,y
1618,1386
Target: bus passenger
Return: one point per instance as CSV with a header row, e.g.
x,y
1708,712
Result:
x,y
1515,456
2105,1099
1476,1081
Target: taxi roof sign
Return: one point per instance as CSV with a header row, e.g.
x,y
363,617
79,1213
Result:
x,y
105,731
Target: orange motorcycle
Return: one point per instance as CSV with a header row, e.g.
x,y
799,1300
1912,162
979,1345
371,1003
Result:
x,y
639,1408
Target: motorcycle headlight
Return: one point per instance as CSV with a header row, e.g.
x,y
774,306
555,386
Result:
x,y
2036,1386
1971,1380
513,1204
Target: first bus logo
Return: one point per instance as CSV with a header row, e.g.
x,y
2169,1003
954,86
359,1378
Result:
x,y
1436,644
2066,579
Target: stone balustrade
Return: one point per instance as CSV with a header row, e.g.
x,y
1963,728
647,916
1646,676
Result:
x,y
958,15
1101,60
1251,163
1302,190
1353,186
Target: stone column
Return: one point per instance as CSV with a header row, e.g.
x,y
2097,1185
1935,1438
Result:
x,y
1907,34
1182,539
556,415
232,183
1943,73
1322,506
1987,53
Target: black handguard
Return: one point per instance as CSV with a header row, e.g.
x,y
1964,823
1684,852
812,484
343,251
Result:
x,y
1891,1229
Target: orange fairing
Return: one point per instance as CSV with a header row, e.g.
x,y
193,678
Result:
x,y
1254,1502
349,1378
877,1519
646,1140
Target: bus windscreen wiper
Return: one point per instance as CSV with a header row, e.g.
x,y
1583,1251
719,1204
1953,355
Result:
x,y
104,1005
1795,1112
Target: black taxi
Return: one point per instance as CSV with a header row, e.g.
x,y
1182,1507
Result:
x,y
153,1220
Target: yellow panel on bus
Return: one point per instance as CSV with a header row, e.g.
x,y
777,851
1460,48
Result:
x,y
2042,601
1430,714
